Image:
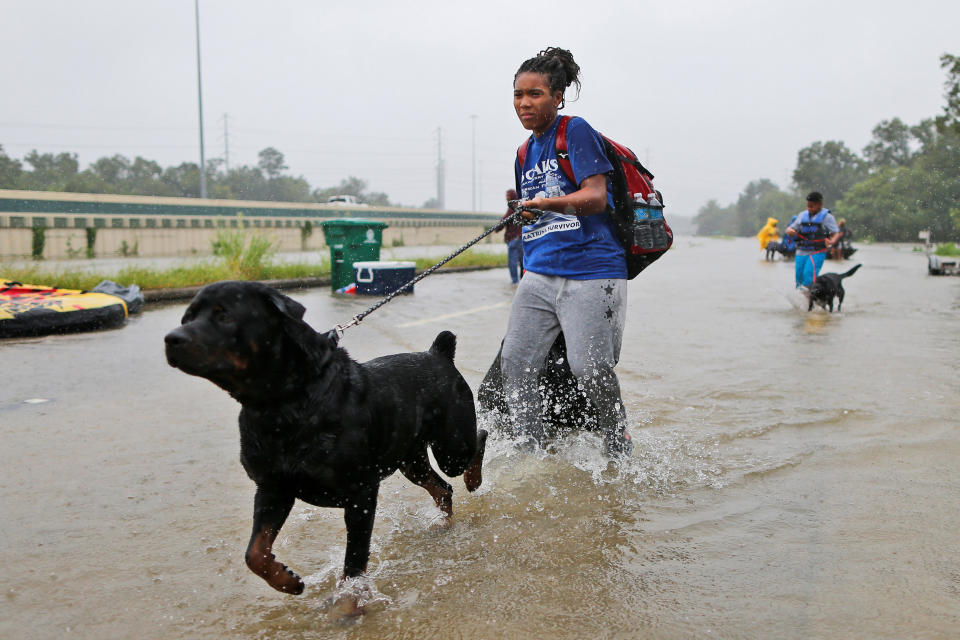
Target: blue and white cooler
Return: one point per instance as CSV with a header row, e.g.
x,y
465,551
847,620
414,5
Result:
x,y
383,278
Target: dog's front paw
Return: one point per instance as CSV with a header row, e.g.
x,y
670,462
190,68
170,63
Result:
x,y
345,607
277,574
473,476
282,578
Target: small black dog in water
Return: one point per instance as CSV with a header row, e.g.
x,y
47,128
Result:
x,y
318,426
828,286
771,251
774,247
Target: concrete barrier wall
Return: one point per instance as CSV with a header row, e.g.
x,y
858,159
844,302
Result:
x,y
17,243
169,227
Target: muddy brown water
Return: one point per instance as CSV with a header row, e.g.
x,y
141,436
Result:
x,y
795,476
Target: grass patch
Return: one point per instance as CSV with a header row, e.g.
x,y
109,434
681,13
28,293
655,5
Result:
x,y
948,249
213,270
468,258
245,255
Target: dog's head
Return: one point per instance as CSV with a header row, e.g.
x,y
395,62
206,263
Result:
x,y
820,290
247,338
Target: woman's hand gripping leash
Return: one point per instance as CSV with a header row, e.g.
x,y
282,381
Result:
x,y
524,215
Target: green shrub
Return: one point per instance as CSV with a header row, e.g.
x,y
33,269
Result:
x,y
39,240
126,250
91,241
305,232
245,255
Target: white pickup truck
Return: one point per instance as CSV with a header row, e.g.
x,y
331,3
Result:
x,y
345,199
939,265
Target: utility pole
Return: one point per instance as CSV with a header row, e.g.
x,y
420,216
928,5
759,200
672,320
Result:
x,y
440,170
203,163
480,186
473,179
226,145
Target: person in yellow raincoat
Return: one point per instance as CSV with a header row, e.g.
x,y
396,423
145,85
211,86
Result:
x,y
768,233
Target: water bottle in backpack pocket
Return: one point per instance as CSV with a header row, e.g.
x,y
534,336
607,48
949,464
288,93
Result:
x,y
658,230
642,233
649,228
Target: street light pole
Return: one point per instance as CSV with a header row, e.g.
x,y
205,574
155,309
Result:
x,y
473,178
203,164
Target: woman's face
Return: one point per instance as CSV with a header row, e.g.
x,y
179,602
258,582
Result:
x,y
535,104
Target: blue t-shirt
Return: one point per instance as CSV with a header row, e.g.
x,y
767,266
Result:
x,y
569,246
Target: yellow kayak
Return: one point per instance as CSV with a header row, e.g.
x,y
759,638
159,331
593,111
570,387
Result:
x,y
29,309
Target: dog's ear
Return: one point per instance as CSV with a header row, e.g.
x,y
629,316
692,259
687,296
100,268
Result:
x,y
287,306
300,333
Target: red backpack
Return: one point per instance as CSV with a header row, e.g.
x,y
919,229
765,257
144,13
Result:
x,y
644,237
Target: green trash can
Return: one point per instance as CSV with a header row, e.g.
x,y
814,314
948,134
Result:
x,y
351,240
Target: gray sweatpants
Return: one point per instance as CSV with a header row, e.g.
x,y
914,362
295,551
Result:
x,y
591,314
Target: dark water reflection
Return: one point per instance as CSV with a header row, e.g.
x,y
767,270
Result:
x,y
795,476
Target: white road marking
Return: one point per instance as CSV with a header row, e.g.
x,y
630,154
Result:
x,y
453,315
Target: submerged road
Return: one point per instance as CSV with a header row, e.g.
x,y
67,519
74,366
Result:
x,y
795,476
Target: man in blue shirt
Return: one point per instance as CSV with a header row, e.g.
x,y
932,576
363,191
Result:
x,y
816,231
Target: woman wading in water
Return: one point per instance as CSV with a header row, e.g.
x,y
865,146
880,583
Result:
x,y
576,274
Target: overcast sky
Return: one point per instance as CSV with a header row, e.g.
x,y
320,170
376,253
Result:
x,y
710,94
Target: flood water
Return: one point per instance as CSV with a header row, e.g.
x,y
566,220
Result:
x,y
795,476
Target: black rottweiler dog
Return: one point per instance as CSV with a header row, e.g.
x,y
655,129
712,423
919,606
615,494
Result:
x,y
828,286
318,426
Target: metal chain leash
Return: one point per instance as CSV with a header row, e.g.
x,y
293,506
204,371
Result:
x,y
516,218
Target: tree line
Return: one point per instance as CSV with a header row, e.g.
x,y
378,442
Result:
x,y
118,174
905,180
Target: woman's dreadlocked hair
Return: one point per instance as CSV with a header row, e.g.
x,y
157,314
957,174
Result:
x,y
559,67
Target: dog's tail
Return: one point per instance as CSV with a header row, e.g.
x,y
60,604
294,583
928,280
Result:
x,y
851,272
444,345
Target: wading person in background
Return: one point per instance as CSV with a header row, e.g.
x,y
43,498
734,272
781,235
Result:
x,y
816,232
511,235
575,277
769,233
845,237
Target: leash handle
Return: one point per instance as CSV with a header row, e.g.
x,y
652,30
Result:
x,y
519,219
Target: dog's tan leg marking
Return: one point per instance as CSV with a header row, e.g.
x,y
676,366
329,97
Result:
x,y
262,562
441,496
473,476
418,471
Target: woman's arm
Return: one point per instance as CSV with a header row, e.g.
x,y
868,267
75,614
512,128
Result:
x,y
588,200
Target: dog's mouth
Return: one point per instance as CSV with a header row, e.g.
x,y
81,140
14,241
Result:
x,y
186,354
207,364
185,360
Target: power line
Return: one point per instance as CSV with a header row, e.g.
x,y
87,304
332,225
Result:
x,y
94,127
